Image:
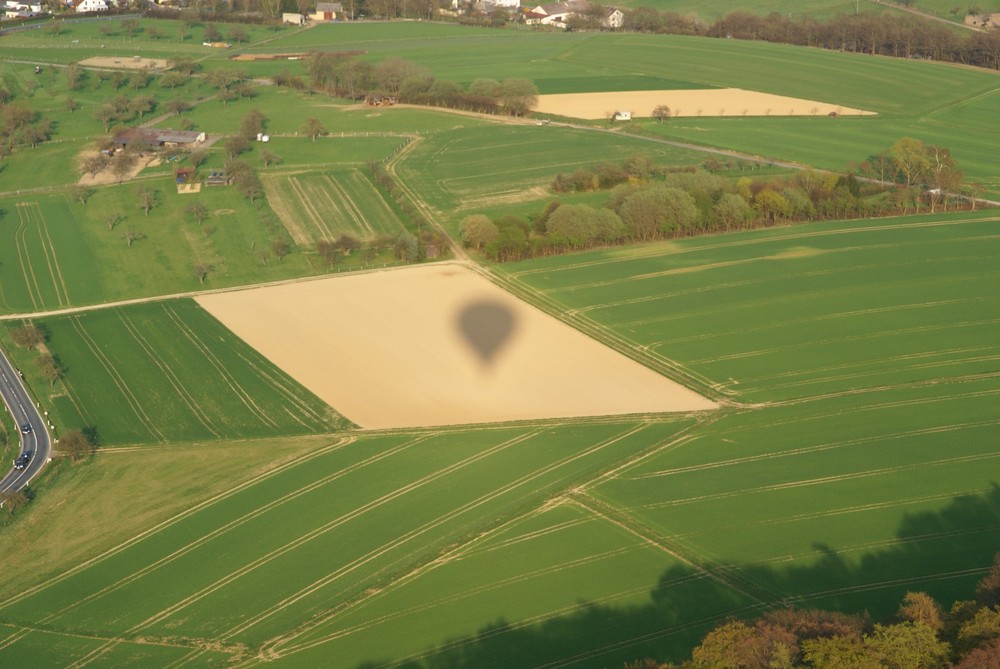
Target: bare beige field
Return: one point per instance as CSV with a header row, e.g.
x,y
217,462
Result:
x,y
439,345
714,102
125,62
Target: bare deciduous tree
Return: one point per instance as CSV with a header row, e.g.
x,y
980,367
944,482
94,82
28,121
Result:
x,y
132,236
202,270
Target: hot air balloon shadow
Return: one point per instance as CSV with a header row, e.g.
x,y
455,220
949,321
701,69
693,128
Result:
x,y
486,327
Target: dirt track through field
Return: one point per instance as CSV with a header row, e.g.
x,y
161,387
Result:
x,y
470,352
711,102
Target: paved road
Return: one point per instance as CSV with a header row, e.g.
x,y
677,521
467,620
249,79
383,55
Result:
x,y
19,404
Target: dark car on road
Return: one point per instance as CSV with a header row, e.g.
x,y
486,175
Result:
x,y
22,460
26,428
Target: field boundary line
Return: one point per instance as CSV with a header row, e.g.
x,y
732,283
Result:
x,y
281,386
169,374
224,373
117,379
111,552
673,370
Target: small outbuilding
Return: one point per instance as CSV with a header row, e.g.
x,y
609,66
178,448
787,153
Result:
x,y
218,178
293,18
155,138
328,11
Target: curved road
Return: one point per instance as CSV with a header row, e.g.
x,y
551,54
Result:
x,y
20,406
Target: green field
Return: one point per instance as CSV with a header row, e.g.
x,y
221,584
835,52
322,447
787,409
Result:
x,y
365,523
853,461
230,517
168,372
314,206
470,169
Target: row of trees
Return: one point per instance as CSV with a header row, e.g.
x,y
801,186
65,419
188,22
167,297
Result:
x,y
411,244
884,33
920,636
32,337
648,202
344,75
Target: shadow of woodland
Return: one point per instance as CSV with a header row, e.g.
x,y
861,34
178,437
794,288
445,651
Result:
x,y
683,607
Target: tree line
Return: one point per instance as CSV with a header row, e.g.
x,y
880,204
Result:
x,y
922,635
344,75
882,33
648,202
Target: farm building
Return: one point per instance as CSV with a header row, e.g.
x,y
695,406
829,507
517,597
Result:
x,y
380,100
328,11
621,116
92,6
15,6
152,138
488,5
555,13
559,13
293,18
218,178
612,18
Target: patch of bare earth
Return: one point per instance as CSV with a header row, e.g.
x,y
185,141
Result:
x,y
107,176
439,345
125,62
712,102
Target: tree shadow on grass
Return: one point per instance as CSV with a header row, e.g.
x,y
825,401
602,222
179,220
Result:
x,y
942,553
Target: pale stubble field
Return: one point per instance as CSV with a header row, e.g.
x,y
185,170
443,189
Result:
x,y
439,345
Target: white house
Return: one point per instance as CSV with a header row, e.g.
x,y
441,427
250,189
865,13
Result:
x,y
293,18
92,6
613,18
556,13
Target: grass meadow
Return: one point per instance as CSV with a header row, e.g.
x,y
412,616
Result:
x,y
166,372
325,205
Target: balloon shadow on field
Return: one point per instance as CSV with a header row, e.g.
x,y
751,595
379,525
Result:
x,y
960,540
486,326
